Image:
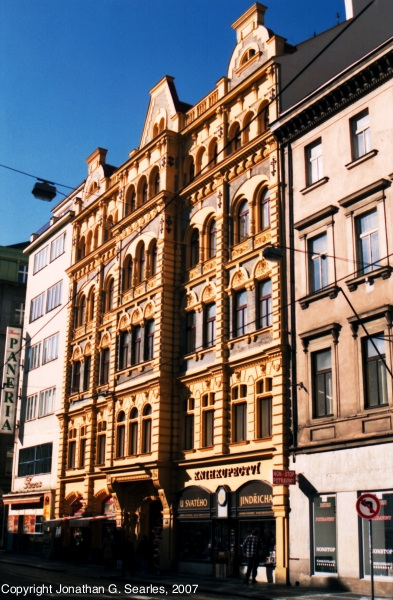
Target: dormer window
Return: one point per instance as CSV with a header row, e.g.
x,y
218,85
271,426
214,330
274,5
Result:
x,y
248,55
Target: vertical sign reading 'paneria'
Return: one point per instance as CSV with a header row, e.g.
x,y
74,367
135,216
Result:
x,y
10,380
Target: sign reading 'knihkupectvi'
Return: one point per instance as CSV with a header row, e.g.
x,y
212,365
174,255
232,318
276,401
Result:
x,y
10,380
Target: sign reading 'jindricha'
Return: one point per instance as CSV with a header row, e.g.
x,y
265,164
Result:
x,y
228,472
10,380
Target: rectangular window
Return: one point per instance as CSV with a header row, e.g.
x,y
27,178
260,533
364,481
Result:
x,y
35,460
19,313
210,325
34,356
382,539
47,402
190,332
149,340
264,408
239,422
136,345
322,383
124,350
82,451
104,366
22,273
37,307
31,407
71,462
367,239
50,348
189,406
264,304
375,376
75,377
325,534
86,373
57,247
208,420
318,262
40,259
241,313
314,162
53,296
101,447
360,134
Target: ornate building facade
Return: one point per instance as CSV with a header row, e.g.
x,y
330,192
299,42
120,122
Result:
x,y
173,410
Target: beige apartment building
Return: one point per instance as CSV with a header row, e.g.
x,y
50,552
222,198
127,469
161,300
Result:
x,y
174,410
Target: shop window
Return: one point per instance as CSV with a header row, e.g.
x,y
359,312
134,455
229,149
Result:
x,y
264,402
240,313
120,434
318,262
104,366
360,134
149,339
208,419
71,456
367,241
375,372
146,429
264,306
133,432
136,349
35,460
239,413
190,332
101,442
314,160
210,325
382,539
325,534
322,383
189,424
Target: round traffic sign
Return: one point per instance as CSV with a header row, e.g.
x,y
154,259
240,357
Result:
x,y
368,506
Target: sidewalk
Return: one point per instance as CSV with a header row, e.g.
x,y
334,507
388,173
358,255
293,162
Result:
x,y
228,588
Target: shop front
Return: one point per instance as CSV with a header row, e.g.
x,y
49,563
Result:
x,y
212,526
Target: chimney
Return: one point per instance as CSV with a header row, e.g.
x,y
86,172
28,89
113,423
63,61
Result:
x,y
353,7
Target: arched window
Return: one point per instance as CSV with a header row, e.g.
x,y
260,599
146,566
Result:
x,y
127,273
250,53
243,221
191,169
133,432
264,210
234,139
110,294
213,153
130,203
82,310
146,429
246,127
212,238
194,248
108,228
143,189
120,434
263,118
141,258
81,248
89,242
155,182
90,305
153,258
96,237
199,162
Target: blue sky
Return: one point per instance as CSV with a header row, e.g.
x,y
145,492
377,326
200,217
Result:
x,y
76,74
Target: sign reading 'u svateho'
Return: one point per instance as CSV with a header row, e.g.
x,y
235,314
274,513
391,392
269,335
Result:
x,y
10,380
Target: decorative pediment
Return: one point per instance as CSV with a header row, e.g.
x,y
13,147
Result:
x,y
77,353
105,340
209,293
261,269
239,279
137,316
124,322
149,310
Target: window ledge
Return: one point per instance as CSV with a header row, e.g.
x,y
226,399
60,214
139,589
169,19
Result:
x,y
383,272
330,291
361,159
315,185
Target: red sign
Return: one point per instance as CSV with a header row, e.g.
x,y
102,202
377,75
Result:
x,y
368,506
284,477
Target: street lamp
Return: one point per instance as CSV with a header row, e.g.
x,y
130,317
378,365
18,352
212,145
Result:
x,y
44,190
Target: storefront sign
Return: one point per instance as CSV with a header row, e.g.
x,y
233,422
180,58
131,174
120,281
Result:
x,y
10,380
283,477
226,472
255,497
31,485
194,500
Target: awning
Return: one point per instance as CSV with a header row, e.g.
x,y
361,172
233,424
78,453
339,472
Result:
x,y
86,521
19,499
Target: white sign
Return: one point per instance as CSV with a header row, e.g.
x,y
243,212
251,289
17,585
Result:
x,y
9,391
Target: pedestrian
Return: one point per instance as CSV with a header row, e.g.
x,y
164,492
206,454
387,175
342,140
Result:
x,y
143,552
252,547
108,550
